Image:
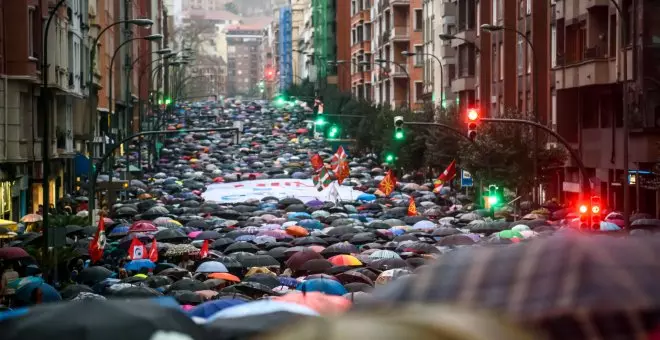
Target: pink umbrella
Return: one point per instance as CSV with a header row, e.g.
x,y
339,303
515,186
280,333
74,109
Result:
x,y
142,227
194,234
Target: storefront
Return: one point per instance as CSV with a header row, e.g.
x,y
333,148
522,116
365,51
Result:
x,y
6,203
55,185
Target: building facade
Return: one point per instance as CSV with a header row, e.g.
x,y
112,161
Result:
x,y
243,60
587,50
285,49
360,64
397,28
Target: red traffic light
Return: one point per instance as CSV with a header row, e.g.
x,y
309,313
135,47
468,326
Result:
x,y
269,72
472,114
583,209
595,209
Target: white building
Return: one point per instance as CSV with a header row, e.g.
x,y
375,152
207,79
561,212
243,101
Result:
x,y
440,18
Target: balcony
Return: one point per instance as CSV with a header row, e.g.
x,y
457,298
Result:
x,y
383,5
589,4
399,71
384,38
400,2
364,45
361,16
463,84
469,35
595,68
400,33
361,77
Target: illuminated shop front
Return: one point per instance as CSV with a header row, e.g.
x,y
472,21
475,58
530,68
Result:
x,y
6,199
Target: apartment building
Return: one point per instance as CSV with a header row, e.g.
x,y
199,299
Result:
x,y
587,57
439,55
305,47
243,60
203,5
360,64
298,9
397,28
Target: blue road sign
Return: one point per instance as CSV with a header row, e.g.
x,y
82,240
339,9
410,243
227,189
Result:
x,y
466,179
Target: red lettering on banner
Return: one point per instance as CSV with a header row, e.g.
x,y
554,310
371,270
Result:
x,y
238,185
261,185
288,184
275,184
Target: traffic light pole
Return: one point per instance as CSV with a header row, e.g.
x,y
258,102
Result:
x,y
108,153
444,126
586,187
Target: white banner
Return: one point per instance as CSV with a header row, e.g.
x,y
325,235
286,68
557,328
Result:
x,y
302,189
138,253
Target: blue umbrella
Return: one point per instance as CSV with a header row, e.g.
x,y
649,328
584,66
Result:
x,y
311,224
261,307
366,197
18,283
212,267
608,226
137,265
288,281
209,308
358,217
298,216
314,203
326,286
48,293
119,230
424,225
245,238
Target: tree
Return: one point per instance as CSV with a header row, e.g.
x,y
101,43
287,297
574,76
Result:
x,y
231,7
503,154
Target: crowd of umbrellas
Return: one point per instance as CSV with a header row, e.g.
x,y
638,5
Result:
x,y
274,268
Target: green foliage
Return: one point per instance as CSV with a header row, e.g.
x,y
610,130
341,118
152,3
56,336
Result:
x,y
65,220
503,154
231,7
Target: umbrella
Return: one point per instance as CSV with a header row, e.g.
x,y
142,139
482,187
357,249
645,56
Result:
x,y
262,307
71,291
326,286
137,265
139,320
93,275
345,260
592,304
142,227
12,253
31,218
209,308
224,276
25,293
188,284
211,267
322,303
252,326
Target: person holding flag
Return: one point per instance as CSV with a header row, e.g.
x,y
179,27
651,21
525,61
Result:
x,y
412,207
388,184
97,246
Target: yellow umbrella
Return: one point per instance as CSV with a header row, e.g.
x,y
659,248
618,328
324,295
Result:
x,y
11,225
10,234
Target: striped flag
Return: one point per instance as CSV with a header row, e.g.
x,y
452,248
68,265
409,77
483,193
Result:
x,y
322,179
337,158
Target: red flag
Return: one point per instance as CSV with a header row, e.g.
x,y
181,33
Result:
x,y
317,162
412,208
204,252
343,172
388,184
136,250
153,251
449,173
97,245
337,158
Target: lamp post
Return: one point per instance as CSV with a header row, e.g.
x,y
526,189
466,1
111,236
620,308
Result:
x,y
45,139
143,22
152,37
535,74
442,76
382,61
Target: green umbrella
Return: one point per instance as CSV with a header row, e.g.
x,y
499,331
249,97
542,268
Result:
x,y
509,234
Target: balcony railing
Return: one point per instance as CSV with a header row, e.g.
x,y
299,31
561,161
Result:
x,y
385,37
400,33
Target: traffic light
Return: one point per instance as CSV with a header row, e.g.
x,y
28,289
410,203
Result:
x,y
168,101
320,120
590,214
473,120
333,132
280,100
269,73
595,213
389,158
493,195
398,128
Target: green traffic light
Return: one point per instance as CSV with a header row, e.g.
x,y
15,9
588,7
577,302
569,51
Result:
x,y
493,200
334,131
399,135
320,121
160,102
389,158
168,101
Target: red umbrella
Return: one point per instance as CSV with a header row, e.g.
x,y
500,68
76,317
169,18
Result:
x,y
218,180
142,227
302,131
12,253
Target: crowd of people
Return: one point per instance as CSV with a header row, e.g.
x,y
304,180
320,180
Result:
x,y
183,256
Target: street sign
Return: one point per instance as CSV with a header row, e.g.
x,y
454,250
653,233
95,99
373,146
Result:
x,y
466,179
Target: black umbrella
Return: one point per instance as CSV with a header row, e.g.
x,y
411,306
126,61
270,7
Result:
x,y
157,281
309,240
71,291
93,275
187,284
101,320
250,288
208,235
258,261
264,279
186,297
136,292
241,246
171,235
339,248
249,327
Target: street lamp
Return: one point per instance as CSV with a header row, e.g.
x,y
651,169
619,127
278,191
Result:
x,y
141,22
385,61
535,74
152,37
449,37
408,54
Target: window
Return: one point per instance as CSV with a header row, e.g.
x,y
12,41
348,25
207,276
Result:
x,y
419,91
519,55
478,19
529,7
530,55
30,33
500,52
419,55
367,31
419,20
